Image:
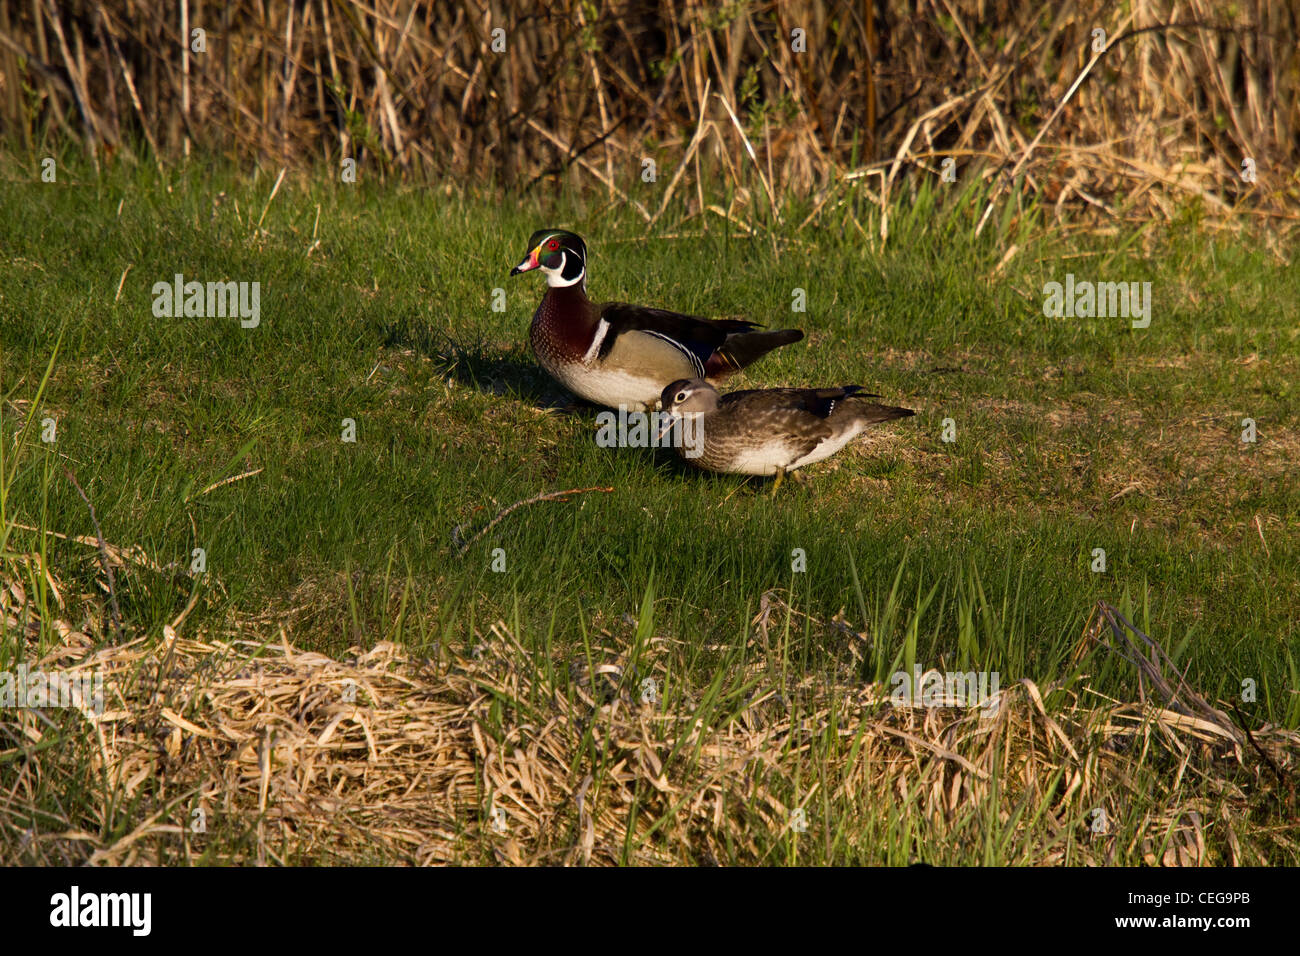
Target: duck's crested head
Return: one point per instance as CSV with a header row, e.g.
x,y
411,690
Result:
x,y
689,396
561,254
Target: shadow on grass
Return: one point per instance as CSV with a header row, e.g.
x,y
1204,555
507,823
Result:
x,y
480,365
670,464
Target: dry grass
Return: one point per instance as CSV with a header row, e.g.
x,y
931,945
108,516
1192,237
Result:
x,y
482,758
1183,93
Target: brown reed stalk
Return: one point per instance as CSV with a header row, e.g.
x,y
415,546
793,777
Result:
x,y
539,92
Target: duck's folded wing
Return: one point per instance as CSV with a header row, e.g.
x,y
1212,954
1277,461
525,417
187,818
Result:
x,y
701,337
824,402
815,402
778,413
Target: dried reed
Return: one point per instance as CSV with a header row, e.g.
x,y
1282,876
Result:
x,y
290,756
1180,97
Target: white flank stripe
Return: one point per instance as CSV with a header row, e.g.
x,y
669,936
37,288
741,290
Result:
x,y
601,331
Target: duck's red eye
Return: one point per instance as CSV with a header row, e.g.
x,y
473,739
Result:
x,y
553,245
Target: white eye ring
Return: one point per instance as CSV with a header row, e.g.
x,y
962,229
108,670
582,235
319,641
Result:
x,y
681,397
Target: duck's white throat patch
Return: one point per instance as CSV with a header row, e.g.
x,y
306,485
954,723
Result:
x,y
555,277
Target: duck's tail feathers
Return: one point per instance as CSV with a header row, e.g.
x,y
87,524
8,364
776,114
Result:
x,y
872,414
745,348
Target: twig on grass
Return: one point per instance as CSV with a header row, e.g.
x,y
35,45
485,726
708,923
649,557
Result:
x,y
117,555
1260,528
103,552
226,481
1151,670
461,545
121,282
271,198
1250,738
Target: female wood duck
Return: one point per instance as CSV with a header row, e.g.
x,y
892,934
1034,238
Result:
x,y
616,354
773,430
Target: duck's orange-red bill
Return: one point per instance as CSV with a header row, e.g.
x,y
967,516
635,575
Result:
x,y
530,262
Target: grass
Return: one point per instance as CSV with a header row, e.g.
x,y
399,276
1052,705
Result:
x,y
1071,435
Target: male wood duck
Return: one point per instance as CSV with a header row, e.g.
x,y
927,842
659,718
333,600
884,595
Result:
x,y
770,431
617,354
